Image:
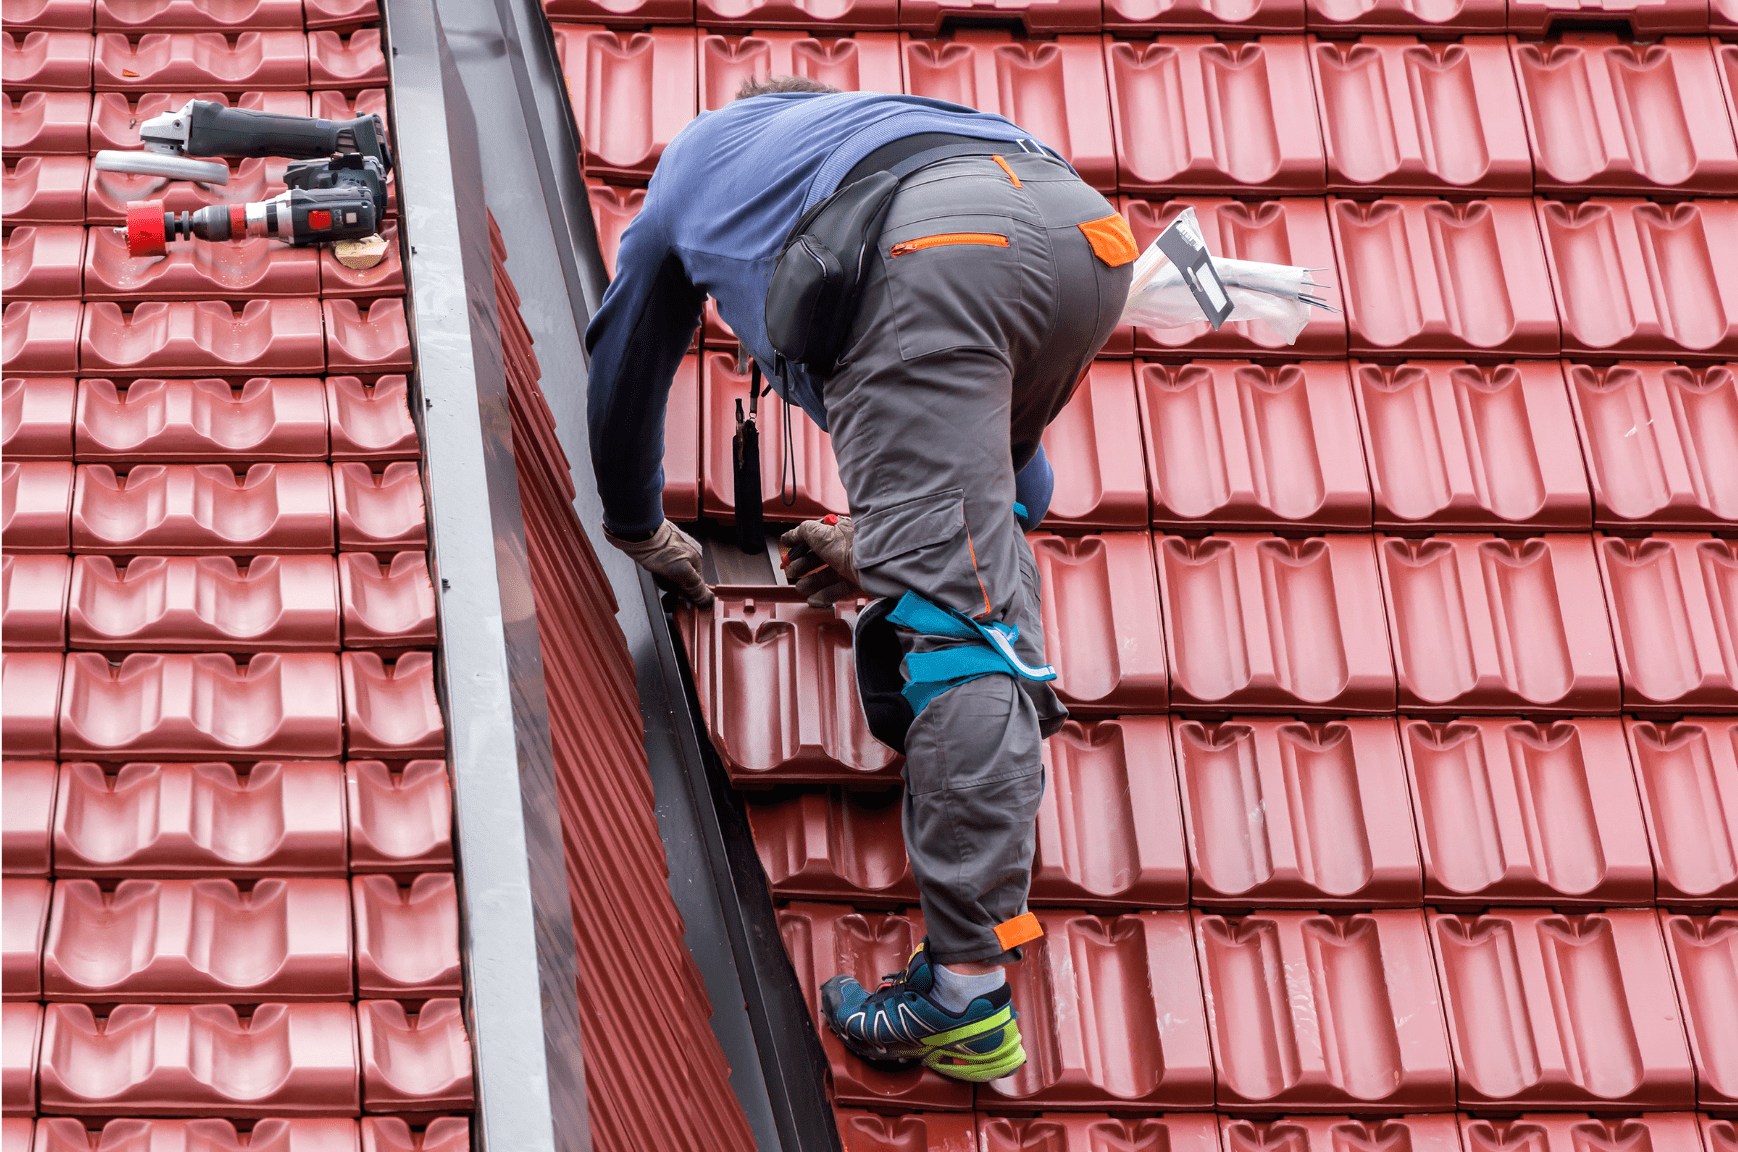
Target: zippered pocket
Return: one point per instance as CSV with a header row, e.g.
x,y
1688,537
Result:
x,y
905,247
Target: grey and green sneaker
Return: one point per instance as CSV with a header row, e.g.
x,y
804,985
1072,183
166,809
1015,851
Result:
x,y
899,1023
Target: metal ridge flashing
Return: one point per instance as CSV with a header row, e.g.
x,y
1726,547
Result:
x,y
519,957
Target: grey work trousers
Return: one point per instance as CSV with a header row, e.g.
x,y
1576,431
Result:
x,y
962,352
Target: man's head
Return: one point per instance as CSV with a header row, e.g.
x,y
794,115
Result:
x,y
774,84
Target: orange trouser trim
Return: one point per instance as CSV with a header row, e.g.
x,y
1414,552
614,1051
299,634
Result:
x,y
1008,170
1111,240
1022,929
937,241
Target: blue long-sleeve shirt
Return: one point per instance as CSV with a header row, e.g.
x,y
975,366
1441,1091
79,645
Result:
x,y
726,193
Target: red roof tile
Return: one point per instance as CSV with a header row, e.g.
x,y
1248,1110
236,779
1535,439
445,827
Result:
x,y
38,418
414,1061
157,420
46,61
25,919
648,83
1234,443
1488,625
1463,132
278,818
238,271
407,935
400,821
1171,99
1607,258
1487,295
203,603
1282,813
866,61
47,123
160,61
1562,1011
1687,771
1654,438
1055,90
27,809
1100,611
35,602
1581,90
1111,1017
1703,950
198,16
200,1059
193,508
196,706
1515,812
1457,445
199,940
43,190
1283,1040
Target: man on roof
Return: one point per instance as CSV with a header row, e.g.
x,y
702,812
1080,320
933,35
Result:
x,y
989,277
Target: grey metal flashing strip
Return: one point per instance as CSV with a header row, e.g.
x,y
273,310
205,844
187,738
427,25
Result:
x,y
530,156
521,1001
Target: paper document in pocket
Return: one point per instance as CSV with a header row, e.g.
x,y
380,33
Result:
x,y
1178,283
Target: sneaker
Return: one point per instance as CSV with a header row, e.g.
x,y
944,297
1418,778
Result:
x,y
899,1023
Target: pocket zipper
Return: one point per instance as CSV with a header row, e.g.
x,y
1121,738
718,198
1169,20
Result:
x,y
922,242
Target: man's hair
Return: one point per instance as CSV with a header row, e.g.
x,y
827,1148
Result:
x,y
772,84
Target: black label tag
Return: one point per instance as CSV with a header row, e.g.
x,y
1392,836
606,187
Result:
x,y
1182,244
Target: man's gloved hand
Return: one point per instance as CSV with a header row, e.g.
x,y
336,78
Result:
x,y
819,560
672,554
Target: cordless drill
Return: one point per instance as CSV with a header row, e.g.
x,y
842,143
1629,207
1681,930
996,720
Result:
x,y
336,184
338,199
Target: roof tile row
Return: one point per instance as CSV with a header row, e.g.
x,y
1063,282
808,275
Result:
x,y
193,707
70,190
1486,114
1229,444
204,820
81,123
1534,17
322,1059
1390,1011
51,505
188,15
152,421
372,1134
178,941
54,262
1271,812
199,338
1506,286
236,59
210,603
1204,1132
1474,623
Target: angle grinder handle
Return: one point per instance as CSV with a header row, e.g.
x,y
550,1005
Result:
x,y
218,131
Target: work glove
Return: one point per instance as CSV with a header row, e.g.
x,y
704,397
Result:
x,y
818,560
673,554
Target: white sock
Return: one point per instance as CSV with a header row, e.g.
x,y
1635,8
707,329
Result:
x,y
954,990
